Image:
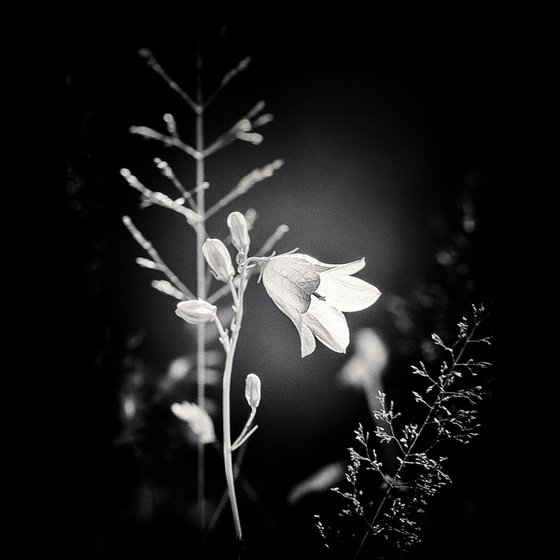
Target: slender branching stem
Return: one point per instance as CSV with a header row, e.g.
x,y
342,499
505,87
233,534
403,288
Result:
x,y
241,440
159,198
154,255
166,170
156,67
233,293
200,284
150,133
248,182
427,420
236,443
229,136
224,339
269,244
228,368
226,79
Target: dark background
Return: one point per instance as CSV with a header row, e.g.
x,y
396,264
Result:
x,y
387,133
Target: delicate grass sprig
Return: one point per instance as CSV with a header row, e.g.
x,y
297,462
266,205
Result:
x,y
450,396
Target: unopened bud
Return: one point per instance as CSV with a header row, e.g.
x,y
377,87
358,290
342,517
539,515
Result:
x,y
147,263
244,125
254,137
167,288
169,120
239,232
218,258
263,119
253,390
196,311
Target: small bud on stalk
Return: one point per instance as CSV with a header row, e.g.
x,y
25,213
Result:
x,y
253,390
218,258
239,232
196,311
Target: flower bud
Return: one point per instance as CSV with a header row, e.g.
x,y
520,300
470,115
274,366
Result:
x,y
253,390
218,258
239,232
196,311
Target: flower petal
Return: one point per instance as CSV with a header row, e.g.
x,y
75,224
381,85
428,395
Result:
x,y
349,268
346,292
328,324
318,266
307,339
308,343
290,282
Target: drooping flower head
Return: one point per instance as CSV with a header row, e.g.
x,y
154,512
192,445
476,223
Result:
x,y
314,295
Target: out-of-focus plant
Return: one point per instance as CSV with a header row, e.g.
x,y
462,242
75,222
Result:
x,y
389,507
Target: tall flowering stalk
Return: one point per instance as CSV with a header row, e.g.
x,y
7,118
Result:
x,y
312,294
192,204
219,260
200,312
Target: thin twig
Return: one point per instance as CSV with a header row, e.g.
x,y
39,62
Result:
x,y
159,198
224,339
151,134
154,255
200,283
248,182
229,136
167,172
272,240
218,294
227,78
245,428
247,489
156,67
244,438
233,292
168,289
